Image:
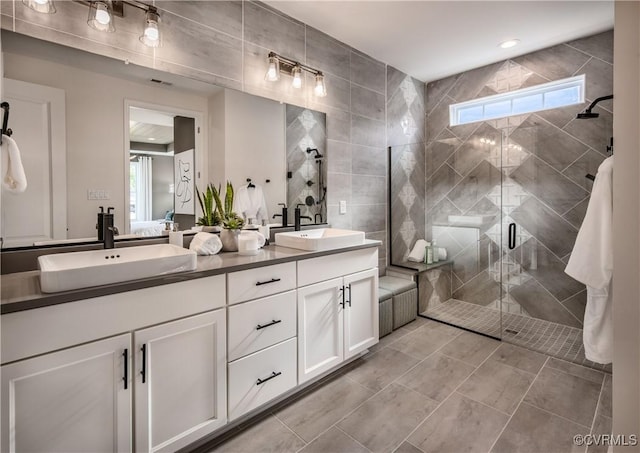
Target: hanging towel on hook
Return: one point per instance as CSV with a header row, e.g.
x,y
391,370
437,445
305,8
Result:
x,y
13,177
251,204
591,263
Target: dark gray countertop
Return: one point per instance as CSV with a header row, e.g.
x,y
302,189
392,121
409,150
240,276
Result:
x,y
21,291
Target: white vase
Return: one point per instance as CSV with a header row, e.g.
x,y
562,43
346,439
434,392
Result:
x,y
229,240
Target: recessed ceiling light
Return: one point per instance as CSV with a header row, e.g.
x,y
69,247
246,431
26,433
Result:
x,y
509,43
151,138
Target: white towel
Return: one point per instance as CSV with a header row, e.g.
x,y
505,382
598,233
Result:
x,y
13,177
591,263
205,244
250,203
417,253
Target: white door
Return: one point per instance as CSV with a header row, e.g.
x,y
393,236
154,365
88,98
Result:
x,y
74,400
180,381
37,118
361,328
320,328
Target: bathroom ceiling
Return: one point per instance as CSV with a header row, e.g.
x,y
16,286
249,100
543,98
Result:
x,y
433,39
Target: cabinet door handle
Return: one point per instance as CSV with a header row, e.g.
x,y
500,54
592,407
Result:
x,y
125,378
144,363
258,327
512,236
349,299
273,280
341,289
273,375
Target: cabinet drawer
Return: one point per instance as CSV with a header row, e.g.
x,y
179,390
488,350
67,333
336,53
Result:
x,y
261,323
254,380
32,332
260,282
323,268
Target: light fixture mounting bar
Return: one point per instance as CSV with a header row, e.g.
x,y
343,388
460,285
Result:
x,y
118,6
287,65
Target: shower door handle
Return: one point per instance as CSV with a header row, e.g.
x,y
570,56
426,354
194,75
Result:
x,y
512,236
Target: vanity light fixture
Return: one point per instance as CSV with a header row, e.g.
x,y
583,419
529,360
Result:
x,y
151,34
102,12
42,6
278,64
296,72
320,89
273,72
101,16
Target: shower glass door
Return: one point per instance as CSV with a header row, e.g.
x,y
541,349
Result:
x,y
546,158
465,217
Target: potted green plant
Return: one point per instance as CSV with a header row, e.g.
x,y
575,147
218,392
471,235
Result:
x,y
231,222
210,219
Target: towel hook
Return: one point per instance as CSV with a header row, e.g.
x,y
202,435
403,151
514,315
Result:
x,y
5,122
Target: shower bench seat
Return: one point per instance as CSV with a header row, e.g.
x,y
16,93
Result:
x,y
433,281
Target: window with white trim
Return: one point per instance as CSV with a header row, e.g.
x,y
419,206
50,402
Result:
x,y
560,93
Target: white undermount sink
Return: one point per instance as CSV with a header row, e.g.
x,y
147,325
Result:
x,y
67,271
320,239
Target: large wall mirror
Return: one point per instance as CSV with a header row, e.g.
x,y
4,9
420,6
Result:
x,y
95,131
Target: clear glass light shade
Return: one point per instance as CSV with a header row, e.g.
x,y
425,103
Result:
x,y
42,6
320,90
273,72
296,72
151,34
101,16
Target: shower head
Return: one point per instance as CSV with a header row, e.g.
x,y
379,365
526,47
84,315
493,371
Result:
x,y
588,113
312,150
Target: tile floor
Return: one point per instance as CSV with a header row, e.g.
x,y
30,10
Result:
x,y
547,337
429,387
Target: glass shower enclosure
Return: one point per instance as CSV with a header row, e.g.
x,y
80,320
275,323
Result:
x,y
505,198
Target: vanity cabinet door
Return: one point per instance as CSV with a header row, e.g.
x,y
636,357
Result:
x,y
320,328
180,381
74,400
360,312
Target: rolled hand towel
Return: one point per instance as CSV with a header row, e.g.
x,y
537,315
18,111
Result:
x,y
205,244
442,254
13,177
417,253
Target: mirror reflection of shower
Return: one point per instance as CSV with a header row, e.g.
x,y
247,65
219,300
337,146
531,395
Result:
x,y
306,144
322,188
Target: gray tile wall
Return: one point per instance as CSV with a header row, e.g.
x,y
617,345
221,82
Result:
x,y
543,163
405,136
226,43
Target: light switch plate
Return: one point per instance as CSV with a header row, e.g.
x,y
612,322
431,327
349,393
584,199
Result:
x,y
98,194
343,207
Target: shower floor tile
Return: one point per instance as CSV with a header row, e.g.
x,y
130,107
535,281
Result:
x,y
550,338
